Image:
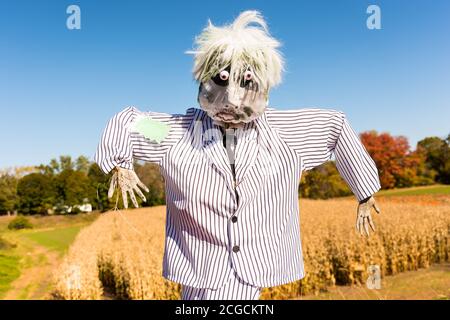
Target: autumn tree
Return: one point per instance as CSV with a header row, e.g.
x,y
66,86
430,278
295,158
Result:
x,y
397,165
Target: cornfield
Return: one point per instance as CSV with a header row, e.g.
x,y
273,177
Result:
x,y
120,254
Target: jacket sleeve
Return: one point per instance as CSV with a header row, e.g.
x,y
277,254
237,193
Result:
x,y
317,134
354,163
120,144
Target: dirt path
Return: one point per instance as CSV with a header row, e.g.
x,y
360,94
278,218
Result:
x,y
35,280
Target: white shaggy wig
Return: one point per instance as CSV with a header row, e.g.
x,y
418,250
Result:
x,y
246,43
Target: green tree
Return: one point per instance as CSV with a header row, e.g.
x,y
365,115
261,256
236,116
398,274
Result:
x,y
65,163
82,164
150,175
437,156
72,187
36,193
323,182
100,185
8,193
445,173
54,167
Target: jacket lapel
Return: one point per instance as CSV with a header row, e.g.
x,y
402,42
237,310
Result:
x,y
247,150
212,145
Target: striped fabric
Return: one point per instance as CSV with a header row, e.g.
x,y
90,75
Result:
x,y
215,227
234,289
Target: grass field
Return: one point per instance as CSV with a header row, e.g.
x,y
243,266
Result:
x,y
56,239
417,191
9,271
28,257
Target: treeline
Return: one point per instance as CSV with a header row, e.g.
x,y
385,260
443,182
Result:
x,y
397,165
63,183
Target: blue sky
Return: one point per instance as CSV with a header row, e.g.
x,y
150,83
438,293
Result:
x,y
59,87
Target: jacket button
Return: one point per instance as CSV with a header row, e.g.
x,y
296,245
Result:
x,y
234,219
236,249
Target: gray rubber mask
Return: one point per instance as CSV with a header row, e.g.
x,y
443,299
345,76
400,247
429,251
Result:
x,y
233,102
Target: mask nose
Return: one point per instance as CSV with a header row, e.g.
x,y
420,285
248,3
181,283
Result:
x,y
233,97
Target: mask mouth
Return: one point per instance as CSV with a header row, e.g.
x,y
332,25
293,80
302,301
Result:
x,y
226,115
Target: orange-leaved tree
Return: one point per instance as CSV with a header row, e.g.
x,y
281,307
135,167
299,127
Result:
x,y
397,165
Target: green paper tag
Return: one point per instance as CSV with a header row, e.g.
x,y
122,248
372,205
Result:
x,y
152,129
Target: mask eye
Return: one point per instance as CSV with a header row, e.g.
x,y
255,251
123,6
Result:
x,y
248,75
248,79
224,75
221,78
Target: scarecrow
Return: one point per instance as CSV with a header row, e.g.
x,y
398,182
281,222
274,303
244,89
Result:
x,y
232,167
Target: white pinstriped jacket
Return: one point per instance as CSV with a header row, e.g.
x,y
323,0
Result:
x,y
210,231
